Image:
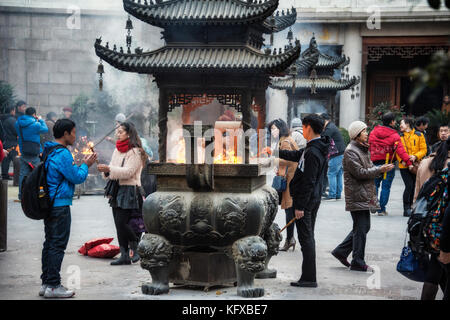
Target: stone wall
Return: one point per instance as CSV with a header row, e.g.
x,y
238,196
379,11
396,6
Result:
x,y
50,60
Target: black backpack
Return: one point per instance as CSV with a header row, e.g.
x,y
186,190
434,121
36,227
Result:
x,y
425,223
36,202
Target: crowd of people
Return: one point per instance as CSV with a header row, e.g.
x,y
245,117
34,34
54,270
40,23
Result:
x,y
311,155
367,164
48,141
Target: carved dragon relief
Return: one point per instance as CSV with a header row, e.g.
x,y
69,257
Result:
x,y
172,216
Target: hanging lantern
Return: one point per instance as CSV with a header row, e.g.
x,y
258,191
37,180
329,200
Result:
x,y
293,73
290,35
129,27
100,71
272,22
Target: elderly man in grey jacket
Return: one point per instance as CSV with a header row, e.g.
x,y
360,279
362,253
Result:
x,y
360,196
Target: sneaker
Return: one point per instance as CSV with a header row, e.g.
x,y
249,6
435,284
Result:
x,y
383,213
364,268
42,290
58,292
329,199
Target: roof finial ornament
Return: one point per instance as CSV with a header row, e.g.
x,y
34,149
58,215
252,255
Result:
x,y
107,45
121,50
274,51
115,48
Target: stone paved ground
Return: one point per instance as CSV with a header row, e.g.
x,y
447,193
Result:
x,y
91,217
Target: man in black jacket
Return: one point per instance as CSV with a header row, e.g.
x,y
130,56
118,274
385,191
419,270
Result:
x,y
335,170
10,140
306,190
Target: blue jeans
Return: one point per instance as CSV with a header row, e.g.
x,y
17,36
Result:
x,y
385,188
335,176
25,169
57,231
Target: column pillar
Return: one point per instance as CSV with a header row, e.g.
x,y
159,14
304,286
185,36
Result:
x,y
162,124
350,109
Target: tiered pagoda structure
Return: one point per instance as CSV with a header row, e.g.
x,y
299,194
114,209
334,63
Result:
x,y
209,224
312,84
213,47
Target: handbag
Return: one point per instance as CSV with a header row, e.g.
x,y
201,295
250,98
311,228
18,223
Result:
x,y
279,183
112,186
411,266
29,148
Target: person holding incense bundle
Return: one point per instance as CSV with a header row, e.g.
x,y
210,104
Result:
x,y
360,196
382,141
123,189
416,147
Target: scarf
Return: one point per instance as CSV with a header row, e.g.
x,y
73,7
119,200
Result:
x,y
123,146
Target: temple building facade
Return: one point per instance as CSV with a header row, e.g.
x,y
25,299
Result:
x,y
384,40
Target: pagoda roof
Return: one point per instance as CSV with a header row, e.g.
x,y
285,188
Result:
x,y
278,22
313,58
194,58
200,12
329,62
320,83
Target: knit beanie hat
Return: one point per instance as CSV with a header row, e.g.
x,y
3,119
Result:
x,y
355,129
296,122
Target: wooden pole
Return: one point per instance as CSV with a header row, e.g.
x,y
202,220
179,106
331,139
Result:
x,y
290,222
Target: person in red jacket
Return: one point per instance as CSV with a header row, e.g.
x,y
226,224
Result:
x,y
3,153
384,140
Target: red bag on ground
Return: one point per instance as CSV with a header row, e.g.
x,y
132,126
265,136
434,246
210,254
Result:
x,y
93,243
104,250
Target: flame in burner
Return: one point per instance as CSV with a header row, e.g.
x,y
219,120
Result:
x,y
181,152
228,157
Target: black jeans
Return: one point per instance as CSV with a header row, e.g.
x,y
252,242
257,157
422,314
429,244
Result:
x,y
290,214
57,232
446,268
6,162
435,274
305,233
410,183
356,239
125,233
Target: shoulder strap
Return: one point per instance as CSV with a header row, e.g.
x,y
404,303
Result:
x,y
58,146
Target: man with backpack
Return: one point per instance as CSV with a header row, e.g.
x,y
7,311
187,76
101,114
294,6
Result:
x,y
62,175
29,128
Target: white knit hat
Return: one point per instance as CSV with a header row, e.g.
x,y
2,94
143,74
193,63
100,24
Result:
x,y
355,129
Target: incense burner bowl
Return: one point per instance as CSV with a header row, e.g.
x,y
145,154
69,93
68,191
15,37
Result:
x,y
209,238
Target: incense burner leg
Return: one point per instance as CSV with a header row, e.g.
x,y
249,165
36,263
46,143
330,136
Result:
x,y
272,238
156,254
249,255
